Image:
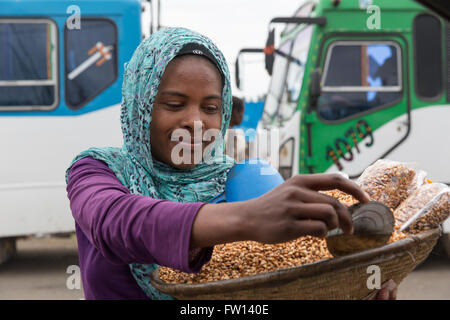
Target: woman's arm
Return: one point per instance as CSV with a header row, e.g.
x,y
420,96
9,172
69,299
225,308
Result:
x,y
293,209
129,228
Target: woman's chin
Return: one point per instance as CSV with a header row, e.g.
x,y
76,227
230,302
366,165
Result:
x,y
183,166
187,165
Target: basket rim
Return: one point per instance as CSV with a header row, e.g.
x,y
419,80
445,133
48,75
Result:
x,y
286,275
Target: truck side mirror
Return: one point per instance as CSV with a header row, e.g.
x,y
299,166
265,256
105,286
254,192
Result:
x,y
315,88
269,51
236,74
236,65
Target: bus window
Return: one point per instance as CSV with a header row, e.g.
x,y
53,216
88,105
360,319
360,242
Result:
x,y
294,78
91,60
428,57
359,77
28,64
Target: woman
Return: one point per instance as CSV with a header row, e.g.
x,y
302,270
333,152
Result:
x,y
139,206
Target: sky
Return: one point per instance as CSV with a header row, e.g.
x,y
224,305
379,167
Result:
x,y
232,25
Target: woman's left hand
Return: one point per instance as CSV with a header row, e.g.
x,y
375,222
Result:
x,y
388,291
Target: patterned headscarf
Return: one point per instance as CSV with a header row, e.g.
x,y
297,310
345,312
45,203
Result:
x,y
133,163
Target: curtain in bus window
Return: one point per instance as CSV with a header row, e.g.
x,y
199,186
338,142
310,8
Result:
x,y
91,57
26,64
359,78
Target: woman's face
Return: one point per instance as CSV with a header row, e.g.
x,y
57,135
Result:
x,y
189,97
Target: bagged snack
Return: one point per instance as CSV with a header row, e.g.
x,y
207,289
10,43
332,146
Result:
x,y
417,201
389,182
420,178
434,213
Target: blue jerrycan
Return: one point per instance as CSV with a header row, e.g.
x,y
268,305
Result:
x,y
248,180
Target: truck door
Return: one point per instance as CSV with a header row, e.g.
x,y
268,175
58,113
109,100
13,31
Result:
x,y
363,112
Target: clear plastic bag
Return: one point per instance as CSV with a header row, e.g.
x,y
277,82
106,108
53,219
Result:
x,y
434,213
419,180
417,201
389,182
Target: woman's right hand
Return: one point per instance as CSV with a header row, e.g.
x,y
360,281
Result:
x,y
296,208
293,209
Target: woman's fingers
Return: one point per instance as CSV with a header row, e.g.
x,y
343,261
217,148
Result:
x,y
330,181
388,291
313,197
318,211
315,228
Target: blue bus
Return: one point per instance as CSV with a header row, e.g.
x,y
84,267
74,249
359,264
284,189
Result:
x,y
61,72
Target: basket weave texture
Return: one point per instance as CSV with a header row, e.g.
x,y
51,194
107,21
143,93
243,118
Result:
x,y
339,278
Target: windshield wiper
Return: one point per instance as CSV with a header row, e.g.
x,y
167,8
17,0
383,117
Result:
x,y
289,57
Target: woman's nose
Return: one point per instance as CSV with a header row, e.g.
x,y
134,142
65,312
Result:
x,y
192,120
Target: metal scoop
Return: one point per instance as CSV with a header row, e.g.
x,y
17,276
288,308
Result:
x,y
373,225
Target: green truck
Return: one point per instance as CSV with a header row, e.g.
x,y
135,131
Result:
x,y
355,81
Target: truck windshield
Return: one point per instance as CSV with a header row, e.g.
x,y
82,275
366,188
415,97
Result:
x,y
287,77
359,77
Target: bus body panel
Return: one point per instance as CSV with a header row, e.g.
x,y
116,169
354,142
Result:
x,y
38,145
33,189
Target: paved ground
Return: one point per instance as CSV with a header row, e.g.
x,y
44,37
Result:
x,y
38,271
429,281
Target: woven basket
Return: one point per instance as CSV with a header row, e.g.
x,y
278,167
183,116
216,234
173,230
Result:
x,y
339,278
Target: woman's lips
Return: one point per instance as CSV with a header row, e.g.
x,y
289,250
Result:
x,y
189,145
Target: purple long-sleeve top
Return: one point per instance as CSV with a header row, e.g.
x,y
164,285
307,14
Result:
x,y
115,228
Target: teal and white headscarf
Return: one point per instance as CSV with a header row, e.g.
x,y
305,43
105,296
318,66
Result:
x,y
133,163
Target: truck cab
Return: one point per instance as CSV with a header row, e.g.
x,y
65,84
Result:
x,y
356,81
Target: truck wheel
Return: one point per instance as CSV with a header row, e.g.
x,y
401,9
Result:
x,y
445,242
7,249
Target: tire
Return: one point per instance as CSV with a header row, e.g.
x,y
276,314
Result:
x,y
445,241
7,249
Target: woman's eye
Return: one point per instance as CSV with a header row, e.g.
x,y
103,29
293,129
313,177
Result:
x,y
211,108
174,105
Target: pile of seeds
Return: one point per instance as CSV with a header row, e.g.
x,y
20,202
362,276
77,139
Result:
x,y
343,197
397,235
246,258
